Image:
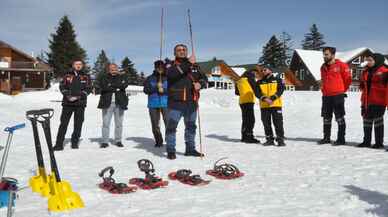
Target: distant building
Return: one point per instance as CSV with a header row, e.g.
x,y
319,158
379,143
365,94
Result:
x,y
289,78
20,71
220,75
306,66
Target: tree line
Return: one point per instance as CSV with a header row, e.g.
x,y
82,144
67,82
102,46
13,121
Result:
x,y
277,52
64,48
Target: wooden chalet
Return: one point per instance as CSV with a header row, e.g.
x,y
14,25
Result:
x,y
20,72
306,65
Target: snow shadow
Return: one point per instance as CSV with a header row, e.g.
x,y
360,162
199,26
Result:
x,y
223,138
378,200
148,145
99,140
312,140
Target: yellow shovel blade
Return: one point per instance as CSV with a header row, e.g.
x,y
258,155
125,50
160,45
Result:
x,y
63,198
38,185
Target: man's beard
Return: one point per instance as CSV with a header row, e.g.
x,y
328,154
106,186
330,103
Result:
x,y
327,60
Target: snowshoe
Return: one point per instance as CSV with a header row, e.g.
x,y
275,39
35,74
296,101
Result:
x,y
184,176
110,185
151,181
225,171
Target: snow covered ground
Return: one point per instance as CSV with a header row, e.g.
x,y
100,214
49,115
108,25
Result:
x,y
300,180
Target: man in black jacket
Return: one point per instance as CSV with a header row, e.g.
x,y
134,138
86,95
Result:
x,y
113,101
75,88
184,83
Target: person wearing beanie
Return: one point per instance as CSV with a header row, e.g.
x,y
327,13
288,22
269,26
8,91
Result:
x,y
155,86
374,89
113,103
247,89
271,89
335,81
185,80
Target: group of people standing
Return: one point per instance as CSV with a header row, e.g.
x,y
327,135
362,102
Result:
x,y
173,91
335,81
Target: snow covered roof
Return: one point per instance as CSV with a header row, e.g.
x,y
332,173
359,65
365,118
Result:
x,y
239,70
314,59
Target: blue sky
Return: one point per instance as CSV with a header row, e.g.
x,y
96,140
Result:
x,y
232,30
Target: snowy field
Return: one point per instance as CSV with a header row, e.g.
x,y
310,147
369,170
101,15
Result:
x,y
300,180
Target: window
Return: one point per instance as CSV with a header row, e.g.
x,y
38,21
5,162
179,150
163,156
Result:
x,y
216,70
301,74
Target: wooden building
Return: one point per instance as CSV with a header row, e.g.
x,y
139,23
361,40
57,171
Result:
x,y
306,66
291,82
220,75
20,72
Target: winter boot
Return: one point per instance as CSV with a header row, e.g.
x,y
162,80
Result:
x,y
280,142
367,134
341,132
58,147
194,153
326,132
171,156
379,133
104,145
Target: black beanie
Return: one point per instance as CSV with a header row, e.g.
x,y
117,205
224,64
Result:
x,y
158,63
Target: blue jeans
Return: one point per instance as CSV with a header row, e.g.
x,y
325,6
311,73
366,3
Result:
x,y
189,117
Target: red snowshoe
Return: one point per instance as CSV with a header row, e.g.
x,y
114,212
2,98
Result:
x,y
151,181
225,171
184,176
110,185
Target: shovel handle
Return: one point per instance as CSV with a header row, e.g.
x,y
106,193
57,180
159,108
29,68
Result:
x,y
13,128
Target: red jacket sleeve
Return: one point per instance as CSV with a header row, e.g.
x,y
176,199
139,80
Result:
x,y
346,76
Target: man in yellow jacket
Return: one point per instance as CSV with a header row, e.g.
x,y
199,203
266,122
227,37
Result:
x,y
271,89
247,89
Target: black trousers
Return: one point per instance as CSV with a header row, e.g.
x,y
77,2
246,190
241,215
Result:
x,y
334,105
248,120
155,122
67,112
373,116
274,115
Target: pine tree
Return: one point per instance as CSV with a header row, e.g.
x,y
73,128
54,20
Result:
x,y
64,48
129,67
313,40
101,64
272,53
287,45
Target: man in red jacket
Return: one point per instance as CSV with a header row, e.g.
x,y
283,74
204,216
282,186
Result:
x,y
336,79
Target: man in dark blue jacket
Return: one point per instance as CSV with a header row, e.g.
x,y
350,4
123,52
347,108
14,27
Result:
x,y
155,86
184,83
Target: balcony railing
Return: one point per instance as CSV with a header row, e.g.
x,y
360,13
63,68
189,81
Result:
x,y
22,65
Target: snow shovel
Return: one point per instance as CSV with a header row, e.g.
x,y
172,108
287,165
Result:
x,y
62,197
39,182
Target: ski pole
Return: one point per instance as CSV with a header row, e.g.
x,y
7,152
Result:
x,y
161,34
198,112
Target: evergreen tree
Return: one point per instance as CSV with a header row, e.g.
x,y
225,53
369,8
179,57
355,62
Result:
x,y
287,45
272,53
101,64
64,48
313,40
129,67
